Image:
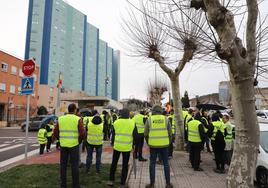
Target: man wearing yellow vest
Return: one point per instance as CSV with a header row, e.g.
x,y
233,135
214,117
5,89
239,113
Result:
x,y
49,128
70,132
139,120
171,118
123,134
158,136
229,135
218,142
196,135
94,129
42,138
205,120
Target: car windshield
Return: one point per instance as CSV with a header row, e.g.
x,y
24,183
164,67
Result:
x,y
264,140
266,113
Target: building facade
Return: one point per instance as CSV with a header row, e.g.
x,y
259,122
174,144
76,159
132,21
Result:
x,y
116,75
92,55
12,103
63,43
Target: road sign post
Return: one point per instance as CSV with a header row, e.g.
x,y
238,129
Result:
x,y
27,88
27,126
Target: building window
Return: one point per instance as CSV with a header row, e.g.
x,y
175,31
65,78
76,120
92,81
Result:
x,y
2,87
19,90
14,70
12,89
21,73
4,66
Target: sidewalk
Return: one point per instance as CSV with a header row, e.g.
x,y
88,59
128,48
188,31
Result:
x,y
182,175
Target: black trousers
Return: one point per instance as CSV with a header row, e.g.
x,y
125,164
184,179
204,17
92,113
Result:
x,y
170,148
219,155
73,153
124,172
195,150
139,146
42,148
49,141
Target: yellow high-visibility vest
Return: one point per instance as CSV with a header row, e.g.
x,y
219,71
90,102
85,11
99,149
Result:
x,y
68,127
95,133
218,125
158,132
138,119
173,123
49,134
123,134
41,136
229,136
193,131
205,119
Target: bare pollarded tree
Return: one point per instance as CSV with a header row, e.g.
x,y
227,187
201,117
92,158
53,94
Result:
x,y
242,55
161,33
156,91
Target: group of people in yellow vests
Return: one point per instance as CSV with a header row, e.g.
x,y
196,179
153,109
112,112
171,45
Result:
x,y
44,136
128,133
201,129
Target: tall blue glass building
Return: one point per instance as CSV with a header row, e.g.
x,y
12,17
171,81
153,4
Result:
x,y
63,42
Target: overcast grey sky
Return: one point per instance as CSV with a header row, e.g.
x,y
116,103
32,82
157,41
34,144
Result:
x,y
105,14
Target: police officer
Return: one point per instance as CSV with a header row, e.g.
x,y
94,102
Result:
x,y
42,138
94,131
70,132
139,120
123,134
158,136
196,134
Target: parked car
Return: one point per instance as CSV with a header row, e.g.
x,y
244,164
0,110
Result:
x,y
262,113
262,162
36,122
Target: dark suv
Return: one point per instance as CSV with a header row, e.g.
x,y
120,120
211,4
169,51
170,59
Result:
x,y
36,122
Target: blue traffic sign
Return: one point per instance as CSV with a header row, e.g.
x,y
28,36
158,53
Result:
x,y
27,85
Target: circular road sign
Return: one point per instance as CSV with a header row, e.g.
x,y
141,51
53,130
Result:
x,y
28,67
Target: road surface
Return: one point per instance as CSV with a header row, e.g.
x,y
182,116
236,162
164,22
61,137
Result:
x,y
12,144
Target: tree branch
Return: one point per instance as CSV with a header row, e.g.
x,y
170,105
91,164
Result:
x,y
251,30
160,60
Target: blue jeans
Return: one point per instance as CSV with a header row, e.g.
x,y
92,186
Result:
x,y
90,149
163,154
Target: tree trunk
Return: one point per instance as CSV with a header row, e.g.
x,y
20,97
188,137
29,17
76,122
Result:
x,y
179,137
243,166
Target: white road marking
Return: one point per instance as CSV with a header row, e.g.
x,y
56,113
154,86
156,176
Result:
x,y
11,147
21,137
3,145
8,142
35,145
20,157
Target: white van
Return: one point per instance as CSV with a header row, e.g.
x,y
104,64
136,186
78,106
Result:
x,y
262,162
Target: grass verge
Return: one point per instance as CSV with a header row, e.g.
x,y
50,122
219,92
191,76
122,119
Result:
x,y
48,175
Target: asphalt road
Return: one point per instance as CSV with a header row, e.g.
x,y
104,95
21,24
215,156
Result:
x,y
12,143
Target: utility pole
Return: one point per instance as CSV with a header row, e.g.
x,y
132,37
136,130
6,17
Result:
x,y
57,112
